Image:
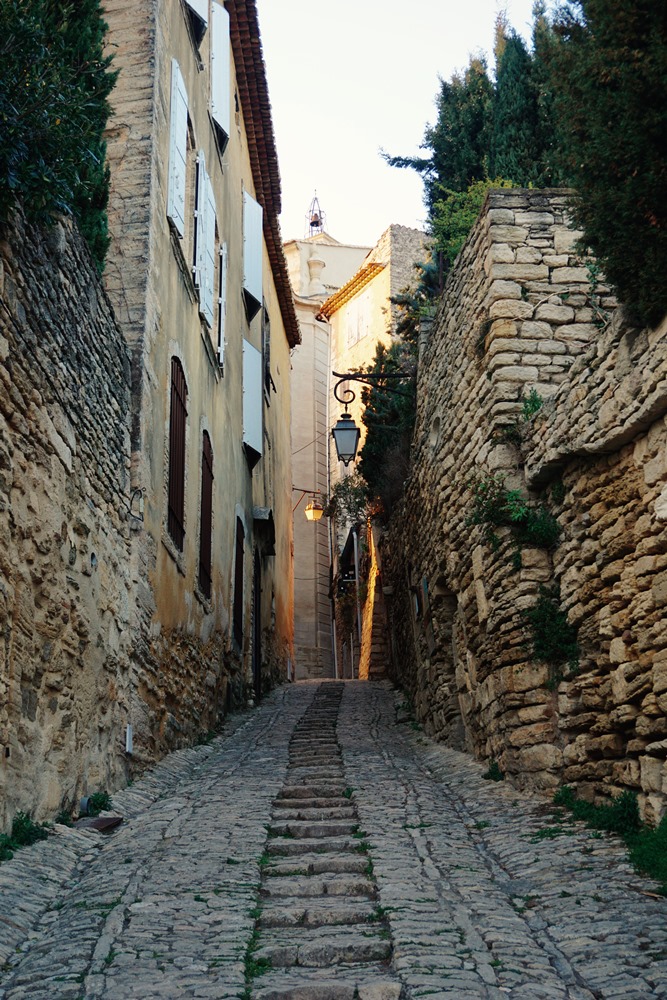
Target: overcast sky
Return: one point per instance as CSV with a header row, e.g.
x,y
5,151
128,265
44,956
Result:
x,y
349,77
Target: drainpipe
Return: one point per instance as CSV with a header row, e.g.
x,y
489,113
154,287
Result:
x,y
335,649
355,539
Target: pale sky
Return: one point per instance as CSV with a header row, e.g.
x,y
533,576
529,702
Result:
x,y
351,77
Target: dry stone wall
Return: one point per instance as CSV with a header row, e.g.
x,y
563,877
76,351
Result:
x,y
522,312
65,583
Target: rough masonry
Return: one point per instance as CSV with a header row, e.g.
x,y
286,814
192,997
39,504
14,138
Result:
x,y
65,579
524,317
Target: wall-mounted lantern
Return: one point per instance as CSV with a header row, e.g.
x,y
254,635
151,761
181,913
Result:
x,y
314,509
346,434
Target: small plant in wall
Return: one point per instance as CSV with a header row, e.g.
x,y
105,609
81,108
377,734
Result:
x,y
553,638
494,506
532,404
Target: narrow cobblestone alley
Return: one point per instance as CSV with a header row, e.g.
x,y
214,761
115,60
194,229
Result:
x,y
321,849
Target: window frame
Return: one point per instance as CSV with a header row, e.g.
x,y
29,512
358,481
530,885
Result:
x,y
178,415
204,573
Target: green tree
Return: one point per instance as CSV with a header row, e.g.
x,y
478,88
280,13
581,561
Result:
x,y
389,417
458,142
54,87
455,215
514,134
608,67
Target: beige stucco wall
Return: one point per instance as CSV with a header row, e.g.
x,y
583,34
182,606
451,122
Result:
x,y
185,658
311,365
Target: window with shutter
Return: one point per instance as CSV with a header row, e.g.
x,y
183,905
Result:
x,y
222,301
252,403
266,356
208,261
177,425
198,14
252,255
220,74
178,150
206,516
203,271
237,613
200,221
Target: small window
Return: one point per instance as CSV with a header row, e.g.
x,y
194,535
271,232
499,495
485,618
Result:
x,y
252,255
206,516
197,12
220,75
203,270
177,423
178,151
253,412
266,356
222,301
237,624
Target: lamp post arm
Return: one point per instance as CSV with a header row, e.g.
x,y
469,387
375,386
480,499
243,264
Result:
x,y
370,379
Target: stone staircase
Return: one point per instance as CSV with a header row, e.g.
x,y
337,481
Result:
x,y
320,932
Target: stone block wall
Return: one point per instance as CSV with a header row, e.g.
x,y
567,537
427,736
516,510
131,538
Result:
x,y
65,582
522,312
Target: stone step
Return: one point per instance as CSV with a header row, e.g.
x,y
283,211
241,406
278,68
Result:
x,y
308,830
313,808
361,982
316,911
317,864
323,946
289,846
331,884
314,773
314,790
295,812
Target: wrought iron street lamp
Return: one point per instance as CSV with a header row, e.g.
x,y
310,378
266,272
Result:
x,y
314,509
346,434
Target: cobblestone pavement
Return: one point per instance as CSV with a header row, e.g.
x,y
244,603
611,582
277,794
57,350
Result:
x,y
322,850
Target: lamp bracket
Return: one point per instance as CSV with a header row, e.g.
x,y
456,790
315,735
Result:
x,y
367,378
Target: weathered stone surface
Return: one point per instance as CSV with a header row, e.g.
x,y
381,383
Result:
x,y
65,608
594,456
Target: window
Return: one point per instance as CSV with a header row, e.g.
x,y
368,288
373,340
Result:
x,y
253,413
177,420
203,271
178,151
222,301
237,623
252,255
206,516
266,356
197,11
220,75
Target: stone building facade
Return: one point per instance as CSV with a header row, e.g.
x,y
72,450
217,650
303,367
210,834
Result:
x,y
197,275
361,315
145,494
524,320
318,266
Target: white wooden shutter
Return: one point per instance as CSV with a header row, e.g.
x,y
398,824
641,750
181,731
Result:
x,y
252,398
252,255
222,302
200,222
208,276
221,95
200,8
178,150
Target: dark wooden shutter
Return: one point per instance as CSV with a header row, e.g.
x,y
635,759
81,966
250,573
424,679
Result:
x,y
238,584
206,516
178,416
